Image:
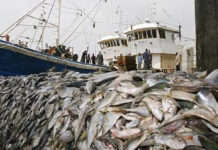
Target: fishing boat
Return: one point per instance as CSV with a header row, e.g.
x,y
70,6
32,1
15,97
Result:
x,y
18,60
112,46
162,40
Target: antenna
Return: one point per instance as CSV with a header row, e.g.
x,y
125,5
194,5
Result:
x,y
153,10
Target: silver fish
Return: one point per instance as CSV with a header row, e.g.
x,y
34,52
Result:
x,y
171,140
66,137
155,107
130,88
212,78
49,110
110,118
198,112
126,133
207,100
135,143
181,95
53,120
94,127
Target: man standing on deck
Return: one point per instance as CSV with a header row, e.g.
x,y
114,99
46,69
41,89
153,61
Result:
x,y
84,55
140,61
88,59
149,59
93,59
100,59
178,61
145,56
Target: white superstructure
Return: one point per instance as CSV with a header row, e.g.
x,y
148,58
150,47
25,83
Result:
x,y
159,39
113,45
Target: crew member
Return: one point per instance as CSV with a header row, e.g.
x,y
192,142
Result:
x,y
145,57
93,59
140,61
100,59
178,61
83,58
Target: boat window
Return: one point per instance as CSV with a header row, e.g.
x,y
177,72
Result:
x,y
129,37
162,33
115,42
124,42
136,36
133,37
145,34
149,33
105,45
154,33
112,43
140,35
102,45
118,42
109,44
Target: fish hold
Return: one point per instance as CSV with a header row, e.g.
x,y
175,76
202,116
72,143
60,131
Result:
x,y
170,140
207,100
126,133
155,107
66,137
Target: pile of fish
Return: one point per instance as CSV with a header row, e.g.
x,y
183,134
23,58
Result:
x,y
109,111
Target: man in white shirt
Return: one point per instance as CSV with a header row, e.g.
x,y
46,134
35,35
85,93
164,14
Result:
x,y
178,61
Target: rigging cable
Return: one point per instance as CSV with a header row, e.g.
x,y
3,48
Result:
x,y
82,21
19,35
45,24
15,24
33,37
79,34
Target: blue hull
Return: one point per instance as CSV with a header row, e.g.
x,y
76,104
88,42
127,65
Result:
x,y
17,61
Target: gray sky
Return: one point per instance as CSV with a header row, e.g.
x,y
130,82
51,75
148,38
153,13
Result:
x,y
107,16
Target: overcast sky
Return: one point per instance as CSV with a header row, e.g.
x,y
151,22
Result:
x,y
108,16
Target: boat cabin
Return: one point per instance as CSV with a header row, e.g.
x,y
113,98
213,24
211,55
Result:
x,y
159,39
112,46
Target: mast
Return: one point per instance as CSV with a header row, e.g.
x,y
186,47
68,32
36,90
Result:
x,y
59,21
